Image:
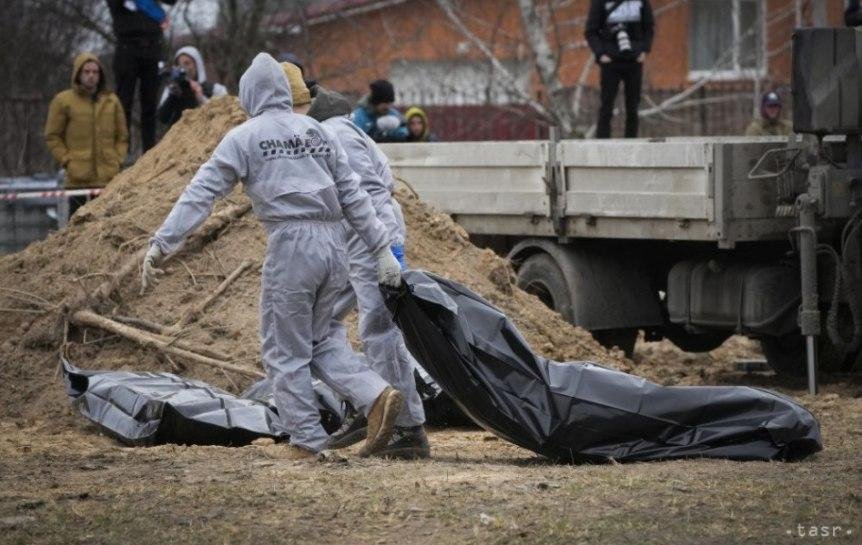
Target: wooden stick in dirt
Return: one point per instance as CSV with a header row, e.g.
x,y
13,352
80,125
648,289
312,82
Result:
x,y
141,323
215,223
91,319
193,313
165,334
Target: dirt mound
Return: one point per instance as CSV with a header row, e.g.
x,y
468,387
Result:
x,y
109,231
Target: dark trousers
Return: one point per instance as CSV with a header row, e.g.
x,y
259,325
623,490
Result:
x,y
75,203
133,64
612,73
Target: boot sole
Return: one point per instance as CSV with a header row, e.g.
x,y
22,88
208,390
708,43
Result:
x,y
350,439
391,407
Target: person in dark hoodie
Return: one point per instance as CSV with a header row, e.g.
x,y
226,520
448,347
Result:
x,y
620,34
853,13
193,90
138,27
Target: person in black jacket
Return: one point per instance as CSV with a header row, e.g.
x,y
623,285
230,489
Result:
x,y
139,48
187,86
620,34
853,14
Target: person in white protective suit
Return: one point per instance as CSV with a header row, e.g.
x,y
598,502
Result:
x,y
301,186
384,345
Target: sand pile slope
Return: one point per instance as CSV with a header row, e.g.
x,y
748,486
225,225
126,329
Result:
x,y
106,232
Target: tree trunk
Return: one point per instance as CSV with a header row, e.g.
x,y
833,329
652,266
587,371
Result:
x,y
546,65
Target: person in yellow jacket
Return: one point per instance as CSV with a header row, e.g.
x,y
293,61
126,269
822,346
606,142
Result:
x,y
86,128
418,126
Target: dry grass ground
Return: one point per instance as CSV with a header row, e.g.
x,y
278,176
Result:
x,y
62,482
69,484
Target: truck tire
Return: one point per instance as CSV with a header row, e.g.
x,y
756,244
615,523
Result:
x,y
540,275
694,342
786,355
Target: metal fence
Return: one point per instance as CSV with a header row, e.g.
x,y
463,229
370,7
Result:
x,y
719,110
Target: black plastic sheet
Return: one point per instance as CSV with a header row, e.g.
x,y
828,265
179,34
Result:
x,y
581,411
156,408
440,409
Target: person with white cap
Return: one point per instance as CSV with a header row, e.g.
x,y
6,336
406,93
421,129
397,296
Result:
x,y
301,187
187,86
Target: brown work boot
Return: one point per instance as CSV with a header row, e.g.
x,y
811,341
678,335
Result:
x,y
381,420
406,444
284,451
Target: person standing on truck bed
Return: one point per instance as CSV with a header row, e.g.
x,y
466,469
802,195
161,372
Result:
x,y
770,122
138,26
853,13
620,34
86,129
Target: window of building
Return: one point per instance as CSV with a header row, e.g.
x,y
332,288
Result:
x,y
726,39
458,82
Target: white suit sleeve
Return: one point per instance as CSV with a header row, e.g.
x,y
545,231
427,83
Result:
x,y
360,160
213,180
355,202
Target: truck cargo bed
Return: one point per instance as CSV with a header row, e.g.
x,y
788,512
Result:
x,y
675,189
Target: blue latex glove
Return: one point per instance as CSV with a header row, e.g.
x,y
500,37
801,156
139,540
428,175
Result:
x,y
398,252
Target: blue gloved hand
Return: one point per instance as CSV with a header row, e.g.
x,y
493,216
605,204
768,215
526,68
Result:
x,y
398,252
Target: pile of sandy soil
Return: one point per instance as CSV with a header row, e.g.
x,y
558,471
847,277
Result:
x,y
107,231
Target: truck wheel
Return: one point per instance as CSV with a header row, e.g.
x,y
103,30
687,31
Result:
x,y
622,338
694,342
786,355
541,276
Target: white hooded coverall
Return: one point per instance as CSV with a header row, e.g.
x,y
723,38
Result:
x,y
301,186
384,346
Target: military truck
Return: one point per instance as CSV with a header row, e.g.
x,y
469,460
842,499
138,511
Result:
x,y
689,239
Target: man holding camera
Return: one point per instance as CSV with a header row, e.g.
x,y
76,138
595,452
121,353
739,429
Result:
x,y
186,85
620,34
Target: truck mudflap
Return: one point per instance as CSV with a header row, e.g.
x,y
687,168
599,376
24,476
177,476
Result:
x,y
581,411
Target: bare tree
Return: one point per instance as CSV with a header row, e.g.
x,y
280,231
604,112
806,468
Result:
x,y
40,38
541,24
243,28
547,66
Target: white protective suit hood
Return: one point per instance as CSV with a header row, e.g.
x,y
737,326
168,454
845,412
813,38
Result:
x,y
263,87
193,52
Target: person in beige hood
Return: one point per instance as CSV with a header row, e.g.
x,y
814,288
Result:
x,y
86,127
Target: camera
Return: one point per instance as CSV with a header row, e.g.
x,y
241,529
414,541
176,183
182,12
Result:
x,y
175,75
623,41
